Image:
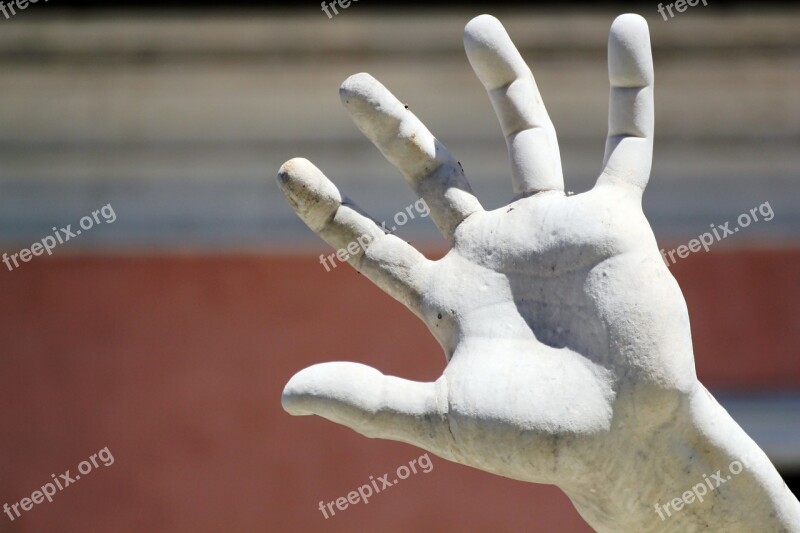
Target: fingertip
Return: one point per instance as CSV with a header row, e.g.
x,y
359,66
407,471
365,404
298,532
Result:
x,y
290,405
481,26
298,174
629,22
363,92
325,387
630,61
491,52
357,85
312,195
292,396
291,168
303,387
373,108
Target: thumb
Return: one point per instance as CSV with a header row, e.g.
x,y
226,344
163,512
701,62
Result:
x,y
375,405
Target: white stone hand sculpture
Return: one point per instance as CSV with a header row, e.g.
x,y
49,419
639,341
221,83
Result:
x,y
567,339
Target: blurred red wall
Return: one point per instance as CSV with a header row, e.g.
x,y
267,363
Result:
x,y
176,364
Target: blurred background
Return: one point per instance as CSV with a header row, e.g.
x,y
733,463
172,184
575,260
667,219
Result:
x,y
167,335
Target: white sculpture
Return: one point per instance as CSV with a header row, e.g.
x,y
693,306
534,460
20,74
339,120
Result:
x,y
569,353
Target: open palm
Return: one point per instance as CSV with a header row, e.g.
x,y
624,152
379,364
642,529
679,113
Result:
x,y
564,332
